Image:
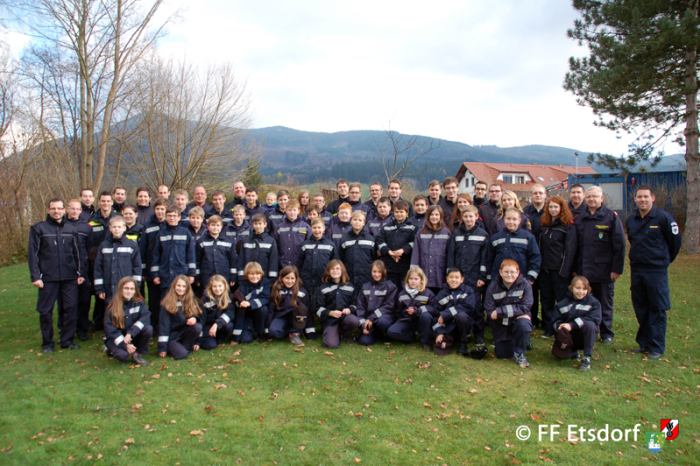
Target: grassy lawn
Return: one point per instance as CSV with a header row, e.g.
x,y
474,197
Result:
x,y
389,404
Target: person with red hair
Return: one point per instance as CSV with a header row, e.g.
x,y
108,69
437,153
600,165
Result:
x,y
557,242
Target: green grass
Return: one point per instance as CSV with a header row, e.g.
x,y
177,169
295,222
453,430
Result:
x,y
272,405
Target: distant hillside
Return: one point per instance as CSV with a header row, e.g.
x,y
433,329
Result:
x,y
310,156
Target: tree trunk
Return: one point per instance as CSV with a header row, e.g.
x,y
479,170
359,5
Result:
x,y
692,225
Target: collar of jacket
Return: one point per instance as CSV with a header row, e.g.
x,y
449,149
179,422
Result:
x,y
55,222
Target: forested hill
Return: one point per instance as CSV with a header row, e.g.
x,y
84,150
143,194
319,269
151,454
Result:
x,y
311,156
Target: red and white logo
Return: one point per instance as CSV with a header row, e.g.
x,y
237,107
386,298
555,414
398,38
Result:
x,y
670,428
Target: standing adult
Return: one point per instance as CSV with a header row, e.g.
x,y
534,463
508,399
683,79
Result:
x,y
164,192
143,206
480,190
84,240
600,255
449,203
99,222
53,256
87,201
538,196
343,188
655,241
434,193
487,212
395,188
376,190
200,199
119,199
576,198
238,195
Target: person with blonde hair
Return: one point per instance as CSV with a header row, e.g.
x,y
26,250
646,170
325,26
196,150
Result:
x,y
181,320
220,312
414,310
509,200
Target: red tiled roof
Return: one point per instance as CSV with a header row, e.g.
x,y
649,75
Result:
x,y
489,172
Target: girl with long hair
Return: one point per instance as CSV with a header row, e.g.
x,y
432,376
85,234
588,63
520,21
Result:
x,y
336,306
509,200
289,307
180,320
220,312
128,324
430,248
557,244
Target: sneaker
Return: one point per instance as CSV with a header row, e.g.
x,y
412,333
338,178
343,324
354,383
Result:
x,y
654,355
640,350
462,348
529,345
479,340
585,364
521,360
607,341
48,350
138,359
83,336
72,346
296,339
427,347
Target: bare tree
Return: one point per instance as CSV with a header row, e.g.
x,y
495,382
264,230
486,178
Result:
x,y
189,126
103,40
398,154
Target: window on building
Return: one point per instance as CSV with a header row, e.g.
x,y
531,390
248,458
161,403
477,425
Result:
x,y
519,180
540,178
508,179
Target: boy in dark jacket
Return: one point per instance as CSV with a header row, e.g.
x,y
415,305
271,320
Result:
x,y
215,255
357,251
507,304
260,248
173,254
147,244
514,243
468,251
117,257
395,243
455,304
290,233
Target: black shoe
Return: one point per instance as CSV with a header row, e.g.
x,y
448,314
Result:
x,y
48,350
462,348
546,335
640,350
479,340
83,336
138,359
654,355
529,345
585,364
261,339
607,341
72,346
427,347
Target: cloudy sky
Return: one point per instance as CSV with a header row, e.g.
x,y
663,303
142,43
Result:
x,y
470,71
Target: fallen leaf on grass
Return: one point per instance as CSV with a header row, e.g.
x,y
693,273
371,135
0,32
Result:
x,y
302,448
328,353
237,352
535,417
473,390
129,441
8,448
358,460
427,405
208,408
644,379
194,433
137,406
487,448
235,361
140,392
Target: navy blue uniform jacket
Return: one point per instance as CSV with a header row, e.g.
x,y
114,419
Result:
x,y
601,245
655,240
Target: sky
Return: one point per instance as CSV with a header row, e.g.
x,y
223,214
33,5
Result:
x,y
481,73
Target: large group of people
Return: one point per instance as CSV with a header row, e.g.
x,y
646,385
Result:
x,y
441,269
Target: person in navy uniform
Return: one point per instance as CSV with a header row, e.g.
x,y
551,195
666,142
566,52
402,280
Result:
x,y
655,241
538,197
600,255
576,200
53,255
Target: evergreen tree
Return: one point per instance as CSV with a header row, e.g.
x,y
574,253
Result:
x,y
642,78
252,173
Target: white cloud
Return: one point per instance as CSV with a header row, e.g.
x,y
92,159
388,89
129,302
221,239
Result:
x,y
475,72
